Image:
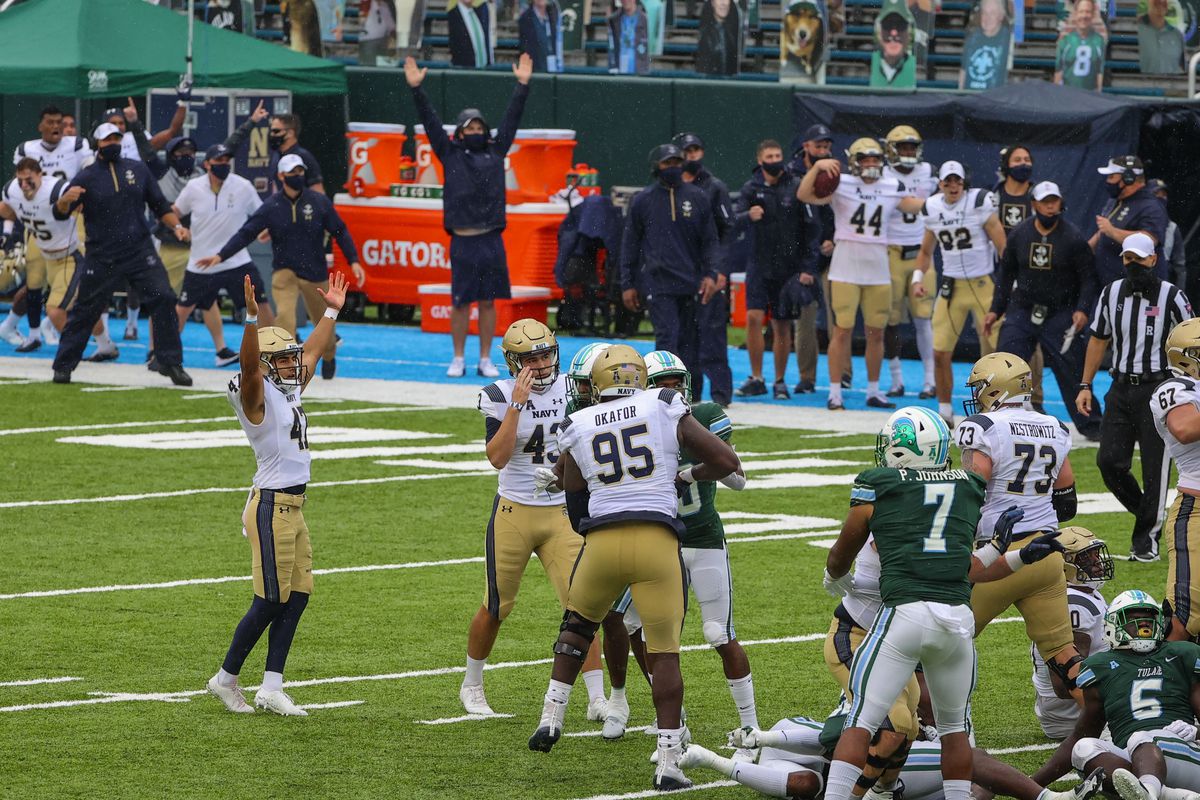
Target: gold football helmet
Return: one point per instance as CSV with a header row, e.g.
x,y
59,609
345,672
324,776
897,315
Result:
x,y
282,357
1086,560
1183,348
996,379
618,372
527,337
903,134
862,148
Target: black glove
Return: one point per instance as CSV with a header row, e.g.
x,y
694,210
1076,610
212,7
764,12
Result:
x,y
681,486
1041,547
1003,531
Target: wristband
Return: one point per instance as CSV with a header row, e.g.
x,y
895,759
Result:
x,y
1013,557
331,313
918,276
686,476
251,320
517,406
1083,386
987,555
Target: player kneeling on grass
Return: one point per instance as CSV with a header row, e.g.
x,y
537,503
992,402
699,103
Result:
x,y
923,516
1148,692
796,753
625,451
266,398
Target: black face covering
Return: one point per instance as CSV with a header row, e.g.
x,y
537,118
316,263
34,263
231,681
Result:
x,y
671,176
220,171
108,152
773,168
1047,220
295,182
1021,173
693,167
275,140
475,141
1113,189
184,165
1141,278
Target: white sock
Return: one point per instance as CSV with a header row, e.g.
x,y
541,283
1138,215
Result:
x,y
474,676
10,321
558,692
104,322
897,373
872,388
924,331
104,341
842,775
272,681
1174,794
670,737
226,679
1153,785
35,334
835,391
945,409
957,790
768,781
617,695
742,690
132,317
593,679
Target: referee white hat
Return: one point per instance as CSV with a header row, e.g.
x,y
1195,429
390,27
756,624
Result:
x,y
1140,244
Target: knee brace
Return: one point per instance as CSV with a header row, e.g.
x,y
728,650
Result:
x,y
716,634
579,626
1084,751
1061,670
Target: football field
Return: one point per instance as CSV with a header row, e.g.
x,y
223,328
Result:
x,y
123,572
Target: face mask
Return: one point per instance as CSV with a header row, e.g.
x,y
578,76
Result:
x,y
773,168
296,182
109,152
1047,220
693,167
184,165
475,141
220,171
275,140
1113,189
1140,277
671,176
1021,173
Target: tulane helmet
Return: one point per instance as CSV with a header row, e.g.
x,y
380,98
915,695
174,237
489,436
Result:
x,y
914,438
579,374
620,371
1134,622
996,379
528,337
278,349
662,364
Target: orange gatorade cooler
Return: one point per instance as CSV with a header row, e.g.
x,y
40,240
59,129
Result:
x,y
737,292
536,166
375,151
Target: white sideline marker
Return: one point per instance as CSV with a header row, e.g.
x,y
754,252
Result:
x,y
699,787
339,704
635,729
463,718
39,681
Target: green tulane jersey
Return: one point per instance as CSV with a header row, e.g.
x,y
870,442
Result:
x,y
924,528
698,505
1143,692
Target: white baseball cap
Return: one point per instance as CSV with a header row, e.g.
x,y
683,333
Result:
x,y
1046,189
1140,244
104,130
951,168
290,162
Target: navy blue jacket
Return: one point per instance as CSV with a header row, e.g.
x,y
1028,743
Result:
x,y
718,200
670,242
473,194
298,230
114,207
1141,211
1056,270
788,237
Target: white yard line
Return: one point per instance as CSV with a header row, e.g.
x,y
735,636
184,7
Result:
x,y
593,732
1029,748
463,718
39,681
112,388
699,787
339,704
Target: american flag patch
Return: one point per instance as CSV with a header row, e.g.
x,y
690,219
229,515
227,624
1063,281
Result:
x,y
1152,311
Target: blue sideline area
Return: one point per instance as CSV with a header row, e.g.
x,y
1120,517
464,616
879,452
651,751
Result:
x,y
406,354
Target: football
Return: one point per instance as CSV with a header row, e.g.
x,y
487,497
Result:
x,y
825,183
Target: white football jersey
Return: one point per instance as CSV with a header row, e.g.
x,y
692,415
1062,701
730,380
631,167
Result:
x,y
966,249
803,748
54,236
280,441
1178,391
1087,616
537,442
64,160
628,451
863,211
1027,450
906,229
129,148
864,600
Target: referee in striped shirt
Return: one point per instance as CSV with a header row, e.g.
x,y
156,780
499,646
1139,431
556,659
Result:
x,y
1136,313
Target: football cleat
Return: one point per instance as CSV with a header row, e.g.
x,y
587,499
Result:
x,y
698,756
225,357
616,719
896,391
231,696
62,376
457,368
668,777
745,754
486,369
279,703
474,701
834,405
597,710
131,332
549,729
1090,785
685,741
29,345
878,793
879,401
100,356
1128,786
928,393
752,387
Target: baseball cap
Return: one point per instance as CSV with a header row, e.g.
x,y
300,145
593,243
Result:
x,y
818,133
218,150
180,141
1156,185
1046,189
951,168
290,162
104,130
1120,164
687,139
1140,244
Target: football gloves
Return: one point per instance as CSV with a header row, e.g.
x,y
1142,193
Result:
x,y
747,737
838,587
543,479
1039,548
1003,531
1184,730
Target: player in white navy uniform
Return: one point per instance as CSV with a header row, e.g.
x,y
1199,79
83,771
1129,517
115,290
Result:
x,y
625,451
60,156
265,396
522,415
960,222
1088,566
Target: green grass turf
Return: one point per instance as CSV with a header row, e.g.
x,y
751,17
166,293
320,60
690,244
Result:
x,y
364,623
